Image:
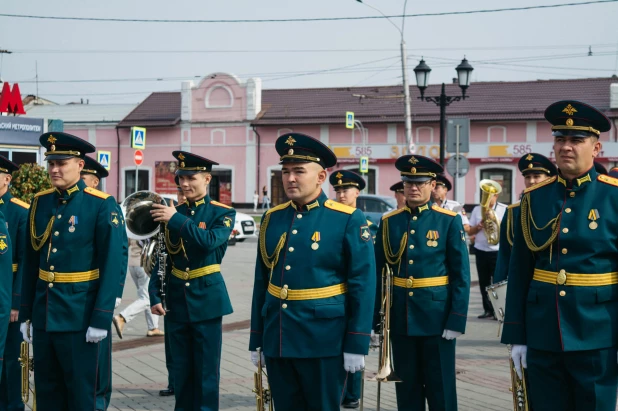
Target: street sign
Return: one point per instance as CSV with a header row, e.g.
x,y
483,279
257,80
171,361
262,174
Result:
x,y
461,126
138,138
464,166
138,157
364,164
104,158
349,119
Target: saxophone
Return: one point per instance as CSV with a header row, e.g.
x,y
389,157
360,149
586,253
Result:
x,y
491,224
262,395
27,365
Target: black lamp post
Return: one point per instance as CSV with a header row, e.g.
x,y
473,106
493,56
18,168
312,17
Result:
x,y
464,69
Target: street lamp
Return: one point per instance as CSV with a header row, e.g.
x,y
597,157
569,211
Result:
x,y
464,69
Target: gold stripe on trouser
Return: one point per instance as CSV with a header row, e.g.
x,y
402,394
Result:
x,y
77,277
420,282
198,272
15,268
307,294
576,280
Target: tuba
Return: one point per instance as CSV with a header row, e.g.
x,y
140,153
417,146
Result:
x,y
519,387
27,365
141,226
491,225
262,395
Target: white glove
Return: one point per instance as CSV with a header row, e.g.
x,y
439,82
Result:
x,y
353,362
450,335
518,354
94,335
118,301
254,358
375,339
24,332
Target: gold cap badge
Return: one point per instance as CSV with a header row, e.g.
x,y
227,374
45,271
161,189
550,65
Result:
x,y
413,170
413,160
339,175
52,139
529,157
530,165
291,152
569,122
181,156
290,141
570,110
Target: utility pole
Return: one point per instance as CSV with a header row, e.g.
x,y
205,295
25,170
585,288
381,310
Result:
x,y
406,95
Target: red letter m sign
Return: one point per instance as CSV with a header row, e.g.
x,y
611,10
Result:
x,y
10,101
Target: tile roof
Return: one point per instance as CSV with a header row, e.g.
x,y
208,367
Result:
x,y
157,110
81,113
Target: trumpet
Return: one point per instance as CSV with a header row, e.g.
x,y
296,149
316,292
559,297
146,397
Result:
x,y
491,224
385,369
27,365
519,387
262,395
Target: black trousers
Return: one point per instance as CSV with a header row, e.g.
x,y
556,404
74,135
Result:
x,y
485,266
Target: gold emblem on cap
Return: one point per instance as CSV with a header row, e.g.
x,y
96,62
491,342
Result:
x,y
182,164
530,165
413,160
570,110
290,152
339,182
52,148
290,141
569,122
52,139
529,157
339,175
413,170
181,156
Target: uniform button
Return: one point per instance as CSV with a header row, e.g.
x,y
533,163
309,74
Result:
x,y
56,233
284,306
414,218
294,231
59,216
565,230
412,231
411,262
299,216
54,250
410,293
51,285
572,194
291,249
192,212
567,210
562,293
287,267
51,267
64,201
187,269
411,247
187,284
564,251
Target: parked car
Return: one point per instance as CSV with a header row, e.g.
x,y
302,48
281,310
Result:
x,y
374,206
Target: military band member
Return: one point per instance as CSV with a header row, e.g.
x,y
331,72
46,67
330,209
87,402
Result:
x,y
196,238
15,212
561,309
397,189
314,288
70,283
92,174
443,186
535,168
425,246
600,168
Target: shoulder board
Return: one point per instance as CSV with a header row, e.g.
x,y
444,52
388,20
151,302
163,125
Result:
x,y
394,212
514,205
96,193
279,207
45,192
443,210
608,180
342,208
20,203
218,204
369,222
541,184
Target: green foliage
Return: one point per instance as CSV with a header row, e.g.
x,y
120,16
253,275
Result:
x,y
29,180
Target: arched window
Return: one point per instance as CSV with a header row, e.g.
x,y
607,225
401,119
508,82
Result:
x,y
219,97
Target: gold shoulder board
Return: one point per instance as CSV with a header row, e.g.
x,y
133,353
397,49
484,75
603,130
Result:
x,y
96,193
608,180
45,192
541,184
20,203
443,210
514,205
392,213
369,223
218,204
279,207
342,208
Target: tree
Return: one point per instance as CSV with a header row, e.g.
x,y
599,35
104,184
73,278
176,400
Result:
x,y
29,180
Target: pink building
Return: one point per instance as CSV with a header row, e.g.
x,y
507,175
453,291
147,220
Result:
x,y
236,124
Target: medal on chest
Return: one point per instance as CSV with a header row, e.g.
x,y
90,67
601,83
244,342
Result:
x,y
593,215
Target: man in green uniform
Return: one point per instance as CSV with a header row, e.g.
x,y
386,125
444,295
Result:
x,y
535,168
313,289
561,309
196,240
92,174
15,212
348,185
425,246
70,283
397,188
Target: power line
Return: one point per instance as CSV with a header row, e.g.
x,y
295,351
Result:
x,y
303,20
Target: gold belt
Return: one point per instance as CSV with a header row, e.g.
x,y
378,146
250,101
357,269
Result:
x,y
198,272
15,268
412,282
309,294
576,280
77,277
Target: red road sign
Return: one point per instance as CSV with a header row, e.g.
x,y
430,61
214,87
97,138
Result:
x,y
138,157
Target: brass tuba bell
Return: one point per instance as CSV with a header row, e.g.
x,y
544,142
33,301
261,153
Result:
x,y
491,224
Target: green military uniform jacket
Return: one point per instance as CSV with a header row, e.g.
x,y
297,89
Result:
x,y
373,228
79,232
16,214
562,316
196,238
507,227
424,245
321,324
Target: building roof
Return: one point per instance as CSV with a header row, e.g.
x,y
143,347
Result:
x,y
161,109
81,113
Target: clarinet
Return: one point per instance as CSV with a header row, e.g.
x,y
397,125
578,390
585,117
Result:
x,y
162,254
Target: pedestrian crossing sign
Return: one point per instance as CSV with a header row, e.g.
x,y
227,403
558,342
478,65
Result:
x,y
349,119
104,158
364,164
138,138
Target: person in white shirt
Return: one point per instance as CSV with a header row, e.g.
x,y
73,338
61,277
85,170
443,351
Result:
x,y
256,198
486,254
438,195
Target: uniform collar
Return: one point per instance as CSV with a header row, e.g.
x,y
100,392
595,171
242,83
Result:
x,y
71,191
6,197
198,203
580,182
311,204
419,209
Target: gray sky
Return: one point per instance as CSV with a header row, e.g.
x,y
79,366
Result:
x,y
535,38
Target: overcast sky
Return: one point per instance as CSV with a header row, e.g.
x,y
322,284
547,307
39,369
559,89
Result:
x,y
547,43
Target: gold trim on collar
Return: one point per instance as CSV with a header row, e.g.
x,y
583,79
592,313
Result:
x,y
583,179
73,189
199,203
423,208
309,206
562,181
